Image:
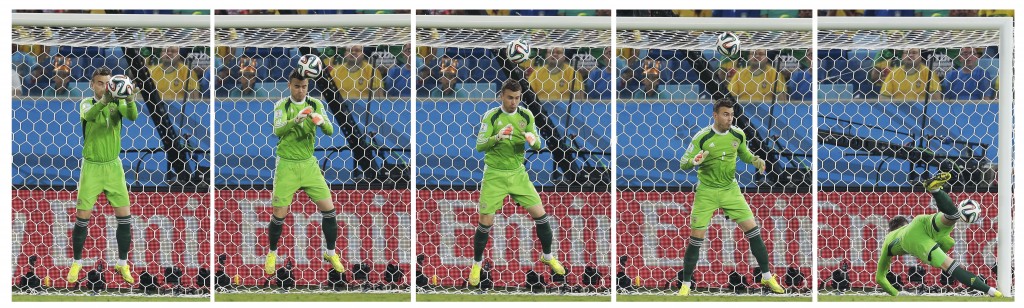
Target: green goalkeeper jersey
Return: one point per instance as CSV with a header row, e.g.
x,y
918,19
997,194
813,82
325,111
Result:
x,y
297,140
718,169
506,154
101,127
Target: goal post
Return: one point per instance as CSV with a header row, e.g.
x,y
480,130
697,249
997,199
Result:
x,y
164,153
671,76
970,59
365,95
566,86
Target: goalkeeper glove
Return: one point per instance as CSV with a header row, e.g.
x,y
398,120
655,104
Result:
x,y
317,119
505,132
759,164
699,158
303,114
530,138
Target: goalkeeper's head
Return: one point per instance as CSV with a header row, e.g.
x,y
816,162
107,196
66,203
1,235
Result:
x,y
897,222
511,95
298,85
100,78
724,113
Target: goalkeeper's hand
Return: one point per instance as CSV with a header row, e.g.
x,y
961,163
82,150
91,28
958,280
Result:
x,y
317,119
305,112
699,158
530,138
759,164
505,132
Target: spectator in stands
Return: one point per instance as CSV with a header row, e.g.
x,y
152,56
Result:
x,y
912,80
224,82
61,74
16,82
398,77
247,78
447,76
798,76
355,77
967,82
758,81
650,77
173,79
598,83
556,80
36,82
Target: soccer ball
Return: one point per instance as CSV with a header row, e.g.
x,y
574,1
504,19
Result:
x,y
120,86
310,66
728,44
518,50
970,211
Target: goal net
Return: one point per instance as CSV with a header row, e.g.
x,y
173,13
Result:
x,y
896,107
670,76
164,152
365,95
460,68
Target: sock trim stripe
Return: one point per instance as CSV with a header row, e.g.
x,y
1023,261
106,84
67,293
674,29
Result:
x,y
483,229
953,266
542,220
277,222
756,231
696,242
329,214
82,224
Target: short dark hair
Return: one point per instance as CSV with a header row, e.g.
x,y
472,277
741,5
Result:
x,y
897,222
296,75
724,102
511,85
103,71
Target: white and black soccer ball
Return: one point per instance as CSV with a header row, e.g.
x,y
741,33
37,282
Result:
x,y
310,66
518,50
728,44
120,86
970,211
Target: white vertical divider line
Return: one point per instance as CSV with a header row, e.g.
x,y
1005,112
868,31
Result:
x,y
614,165
213,165
814,156
412,153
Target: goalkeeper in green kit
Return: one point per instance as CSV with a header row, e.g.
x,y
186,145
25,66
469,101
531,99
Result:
x,y
713,151
102,172
928,238
296,119
504,132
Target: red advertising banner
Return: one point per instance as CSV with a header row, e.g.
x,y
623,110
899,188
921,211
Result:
x,y
169,230
852,227
374,229
653,229
447,220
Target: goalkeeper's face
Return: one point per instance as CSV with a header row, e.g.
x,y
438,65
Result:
x,y
723,118
510,100
299,88
99,84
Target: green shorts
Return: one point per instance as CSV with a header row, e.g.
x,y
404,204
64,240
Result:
x,y
499,183
928,239
292,175
707,200
106,178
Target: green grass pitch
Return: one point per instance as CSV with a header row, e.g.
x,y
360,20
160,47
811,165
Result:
x,y
312,297
508,298
87,298
710,298
909,298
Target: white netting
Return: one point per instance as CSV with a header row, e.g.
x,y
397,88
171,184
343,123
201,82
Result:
x,y
164,154
897,107
668,83
460,73
365,95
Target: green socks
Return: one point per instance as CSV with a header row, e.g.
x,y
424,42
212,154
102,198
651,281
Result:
x,y
480,241
329,223
274,231
124,236
967,278
758,249
690,258
544,232
945,205
78,236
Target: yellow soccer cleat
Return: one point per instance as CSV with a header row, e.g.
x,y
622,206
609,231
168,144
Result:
x,y
554,265
937,181
474,276
335,261
684,290
73,272
998,294
774,285
126,273
270,265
